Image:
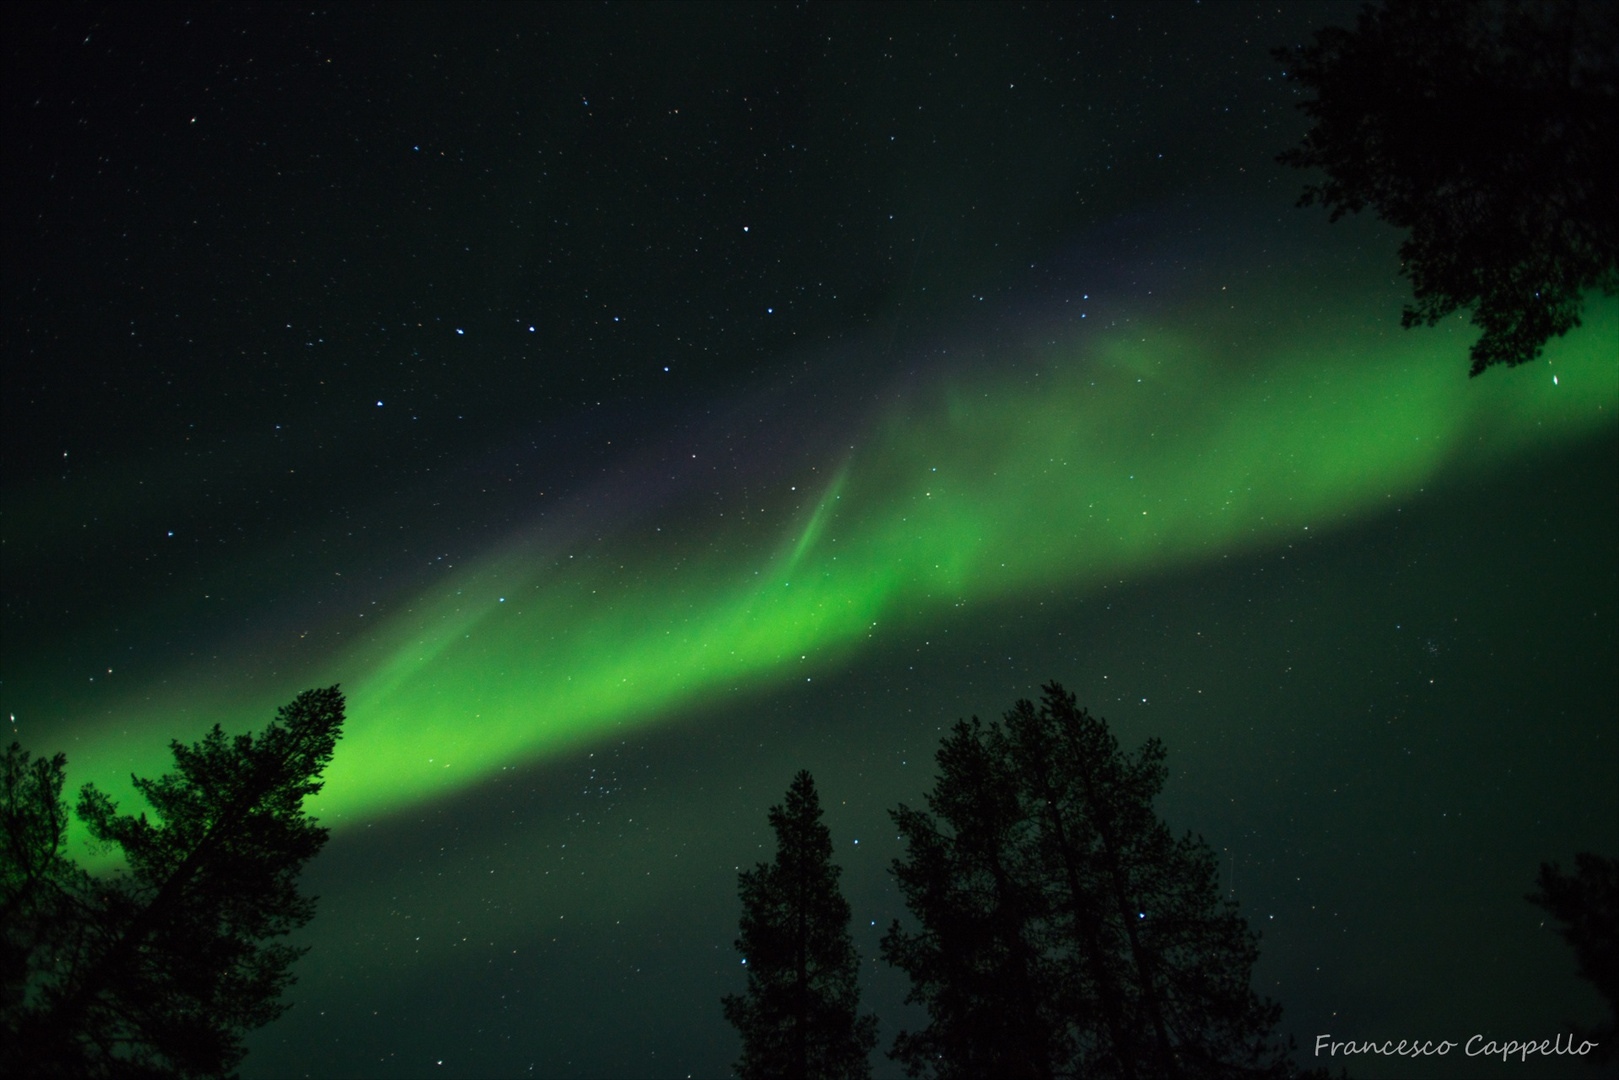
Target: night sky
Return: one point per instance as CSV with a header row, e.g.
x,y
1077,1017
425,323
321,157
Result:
x,y
631,406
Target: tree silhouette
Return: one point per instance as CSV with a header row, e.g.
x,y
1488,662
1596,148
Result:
x,y
1486,130
800,1017
1587,904
36,880
159,969
980,965
1063,930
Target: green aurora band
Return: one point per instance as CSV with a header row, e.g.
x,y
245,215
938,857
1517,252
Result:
x,y
1155,444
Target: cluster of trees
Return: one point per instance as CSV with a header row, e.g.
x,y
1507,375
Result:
x,y
1061,929
161,968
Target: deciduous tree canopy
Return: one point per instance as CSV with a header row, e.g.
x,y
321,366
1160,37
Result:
x,y
1487,131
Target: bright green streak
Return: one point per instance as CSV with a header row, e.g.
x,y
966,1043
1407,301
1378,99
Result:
x,y
1135,450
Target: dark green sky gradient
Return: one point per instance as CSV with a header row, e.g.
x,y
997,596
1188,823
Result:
x,y
201,317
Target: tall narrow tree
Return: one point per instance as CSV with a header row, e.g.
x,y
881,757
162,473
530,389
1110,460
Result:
x,y
800,1017
160,969
1063,929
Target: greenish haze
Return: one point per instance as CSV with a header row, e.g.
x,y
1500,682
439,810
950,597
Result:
x,y
1137,449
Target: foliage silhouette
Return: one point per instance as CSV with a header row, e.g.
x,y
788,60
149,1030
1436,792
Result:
x,y
1587,904
1486,130
1063,930
159,969
800,1017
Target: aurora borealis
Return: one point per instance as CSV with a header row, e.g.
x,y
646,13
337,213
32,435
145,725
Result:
x,y
971,490
617,471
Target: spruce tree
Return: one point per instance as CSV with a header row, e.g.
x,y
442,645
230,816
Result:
x,y
160,968
800,1017
1062,929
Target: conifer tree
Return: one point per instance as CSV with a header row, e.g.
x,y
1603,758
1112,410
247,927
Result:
x,y
160,968
36,877
978,964
1062,929
800,1017
1586,903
